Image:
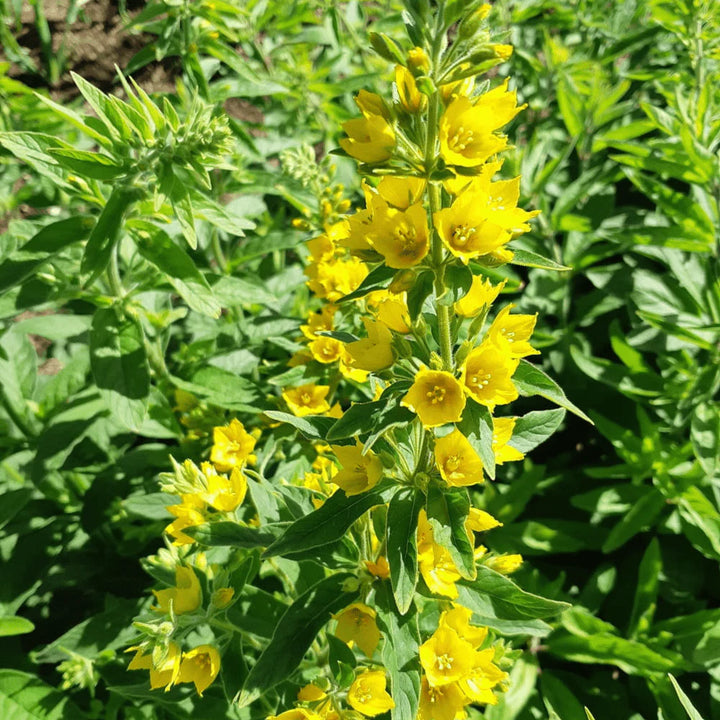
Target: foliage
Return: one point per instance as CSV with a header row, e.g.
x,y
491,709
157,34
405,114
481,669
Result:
x,y
159,302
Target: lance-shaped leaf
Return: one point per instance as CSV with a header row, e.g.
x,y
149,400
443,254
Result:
x,y
374,417
447,512
401,538
531,380
313,427
329,522
45,244
400,654
107,231
119,365
232,534
534,428
492,595
531,259
294,634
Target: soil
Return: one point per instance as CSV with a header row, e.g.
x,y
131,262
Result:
x,y
93,45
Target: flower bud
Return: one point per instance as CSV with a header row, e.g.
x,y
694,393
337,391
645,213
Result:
x,y
418,62
402,282
473,22
222,597
411,99
502,51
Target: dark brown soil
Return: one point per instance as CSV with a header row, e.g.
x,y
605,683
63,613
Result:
x,y
93,45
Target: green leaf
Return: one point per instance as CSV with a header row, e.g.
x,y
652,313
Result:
x,y
705,436
294,634
43,246
531,380
447,512
156,246
701,521
531,259
534,428
329,522
369,417
256,611
492,595
15,625
558,698
119,365
376,279
690,709
418,293
228,533
24,697
400,654
107,231
12,502
642,515
647,590
630,656
477,426
88,164
458,280
401,539
313,427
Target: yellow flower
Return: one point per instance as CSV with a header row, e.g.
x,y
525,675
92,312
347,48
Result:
x,y
356,623
185,597
309,399
480,521
367,694
481,295
232,446
322,248
370,139
505,564
457,461
446,657
310,693
411,99
515,330
401,192
435,562
436,396
390,309
326,349
401,236
479,682
200,666
374,352
187,513
320,321
458,619
460,88
487,375
444,702
371,104
465,229
502,432
166,672
418,60
359,472
222,597
349,371
226,494
379,568
332,280
296,714
467,127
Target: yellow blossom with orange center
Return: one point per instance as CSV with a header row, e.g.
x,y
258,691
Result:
x,y
200,666
436,396
356,624
457,461
368,695
487,375
309,399
359,472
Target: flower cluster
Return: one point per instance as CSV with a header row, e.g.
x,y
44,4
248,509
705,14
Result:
x,y
213,491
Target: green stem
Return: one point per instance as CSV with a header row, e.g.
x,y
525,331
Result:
x,y
217,252
437,251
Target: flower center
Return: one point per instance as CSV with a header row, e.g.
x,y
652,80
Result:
x,y
444,662
406,237
480,380
452,463
461,139
306,398
363,694
436,395
462,235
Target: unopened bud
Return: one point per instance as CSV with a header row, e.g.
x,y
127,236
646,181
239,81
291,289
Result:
x,y
502,51
418,61
222,597
473,22
411,99
402,282
385,47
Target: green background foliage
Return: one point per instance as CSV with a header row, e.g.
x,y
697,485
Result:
x,y
621,520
